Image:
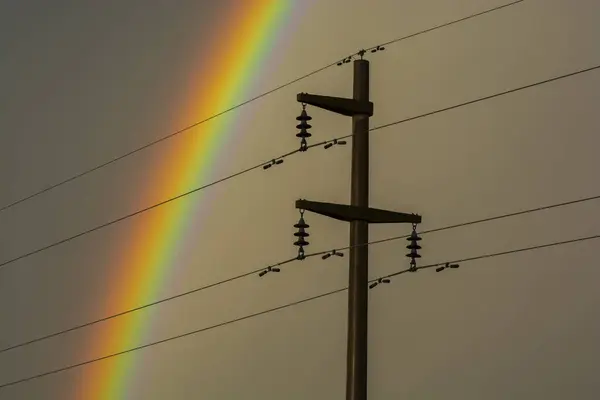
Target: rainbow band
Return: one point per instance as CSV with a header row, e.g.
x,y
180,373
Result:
x,y
243,42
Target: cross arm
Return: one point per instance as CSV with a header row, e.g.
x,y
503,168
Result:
x,y
349,213
339,105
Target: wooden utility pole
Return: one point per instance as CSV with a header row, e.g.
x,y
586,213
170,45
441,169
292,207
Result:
x,y
359,215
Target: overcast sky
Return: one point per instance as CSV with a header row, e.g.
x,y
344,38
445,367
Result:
x,y
84,81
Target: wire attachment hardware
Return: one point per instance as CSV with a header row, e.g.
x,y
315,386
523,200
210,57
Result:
x,y
446,266
414,248
269,269
301,235
333,143
272,163
379,281
332,253
378,48
345,61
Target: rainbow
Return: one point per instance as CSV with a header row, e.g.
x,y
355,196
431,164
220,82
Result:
x,y
244,39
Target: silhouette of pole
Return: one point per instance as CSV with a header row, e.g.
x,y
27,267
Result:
x,y
356,368
359,215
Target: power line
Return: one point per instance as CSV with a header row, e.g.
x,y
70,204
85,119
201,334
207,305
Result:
x,y
447,24
556,78
265,94
125,217
499,254
479,221
478,100
288,305
148,305
279,264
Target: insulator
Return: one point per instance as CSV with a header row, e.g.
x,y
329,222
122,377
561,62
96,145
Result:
x,y
453,265
301,242
277,162
341,142
275,269
303,134
372,285
326,256
440,269
301,224
338,254
414,237
328,145
267,166
263,273
414,246
303,116
303,125
385,281
302,233
413,254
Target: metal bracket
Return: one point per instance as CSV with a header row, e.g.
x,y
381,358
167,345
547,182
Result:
x,y
339,105
348,213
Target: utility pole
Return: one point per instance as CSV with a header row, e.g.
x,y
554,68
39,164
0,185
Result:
x,y
356,353
358,214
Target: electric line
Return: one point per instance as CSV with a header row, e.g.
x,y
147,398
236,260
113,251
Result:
x,y
244,103
478,100
499,254
125,217
478,221
518,89
288,305
446,24
228,280
138,308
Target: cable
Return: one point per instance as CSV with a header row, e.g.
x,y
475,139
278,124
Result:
x,y
182,130
467,103
141,211
446,24
167,299
477,221
169,136
556,78
131,310
288,305
499,254
123,218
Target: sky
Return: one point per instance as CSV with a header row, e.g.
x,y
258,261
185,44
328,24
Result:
x,y
84,81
